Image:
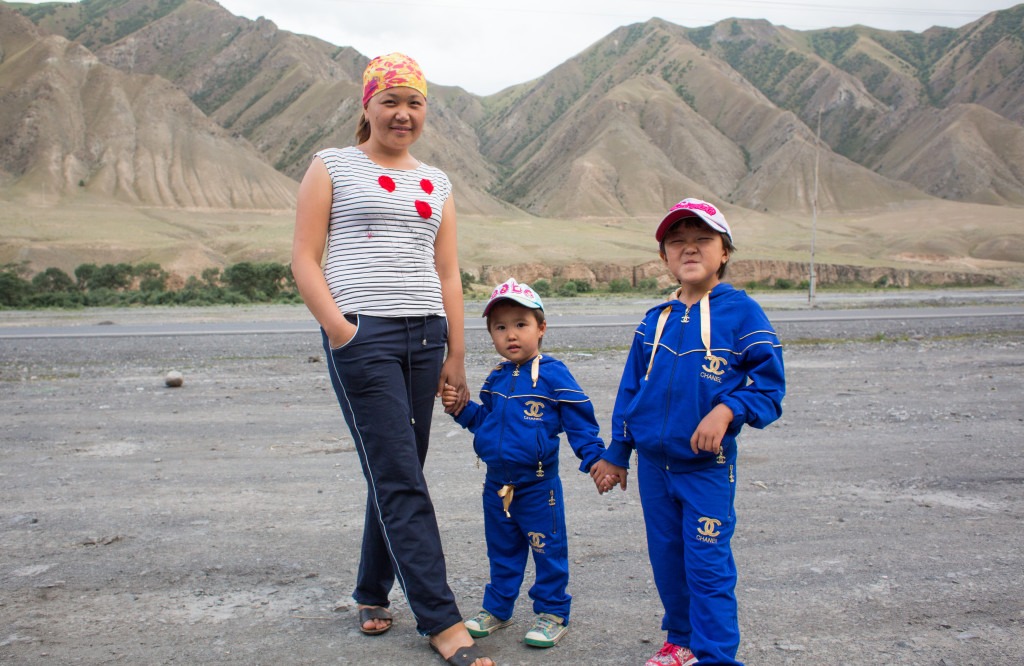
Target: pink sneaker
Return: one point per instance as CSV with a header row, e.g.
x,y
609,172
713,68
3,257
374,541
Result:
x,y
672,655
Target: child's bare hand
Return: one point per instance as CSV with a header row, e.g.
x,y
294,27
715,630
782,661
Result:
x,y
449,396
606,476
607,483
711,429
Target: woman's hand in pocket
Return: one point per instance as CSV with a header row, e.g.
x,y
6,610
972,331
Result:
x,y
341,334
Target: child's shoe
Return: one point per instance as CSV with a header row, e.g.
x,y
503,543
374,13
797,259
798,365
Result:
x,y
546,630
485,624
672,655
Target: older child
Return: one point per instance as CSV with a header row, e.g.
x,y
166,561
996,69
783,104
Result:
x,y
702,365
525,402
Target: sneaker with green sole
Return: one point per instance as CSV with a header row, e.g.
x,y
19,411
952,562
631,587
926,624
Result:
x,y
547,629
485,624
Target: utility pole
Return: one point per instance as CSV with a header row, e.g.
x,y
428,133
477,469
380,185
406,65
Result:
x,y
814,208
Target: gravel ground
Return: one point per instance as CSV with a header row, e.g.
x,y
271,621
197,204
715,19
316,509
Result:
x,y
219,522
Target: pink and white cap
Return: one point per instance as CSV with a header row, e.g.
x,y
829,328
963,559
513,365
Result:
x,y
513,291
694,208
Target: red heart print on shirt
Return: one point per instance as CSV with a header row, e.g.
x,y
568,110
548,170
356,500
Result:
x,y
422,207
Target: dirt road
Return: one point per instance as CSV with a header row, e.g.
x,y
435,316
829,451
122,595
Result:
x,y
880,520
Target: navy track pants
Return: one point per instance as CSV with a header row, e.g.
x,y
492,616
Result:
x,y
385,378
537,524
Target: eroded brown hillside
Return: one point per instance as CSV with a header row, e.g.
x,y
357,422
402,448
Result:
x,y
179,103
72,126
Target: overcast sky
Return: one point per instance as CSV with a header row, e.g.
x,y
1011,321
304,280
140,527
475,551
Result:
x,y
485,46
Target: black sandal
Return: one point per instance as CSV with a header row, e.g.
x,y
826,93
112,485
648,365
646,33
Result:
x,y
374,613
464,656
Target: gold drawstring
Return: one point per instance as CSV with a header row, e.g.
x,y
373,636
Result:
x,y
705,327
705,323
662,318
506,497
535,369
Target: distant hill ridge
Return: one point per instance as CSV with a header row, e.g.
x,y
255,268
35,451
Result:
x,y
181,103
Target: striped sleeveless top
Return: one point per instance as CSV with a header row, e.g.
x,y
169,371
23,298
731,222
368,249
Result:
x,y
380,242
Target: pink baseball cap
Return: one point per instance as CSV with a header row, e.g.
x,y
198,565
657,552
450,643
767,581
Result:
x,y
694,208
511,290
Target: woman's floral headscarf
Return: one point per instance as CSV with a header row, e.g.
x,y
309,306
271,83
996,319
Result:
x,y
392,71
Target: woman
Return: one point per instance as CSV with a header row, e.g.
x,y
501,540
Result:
x,y
389,299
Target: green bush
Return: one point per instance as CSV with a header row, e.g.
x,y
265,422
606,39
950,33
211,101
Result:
x,y
234,298
14,289
569,289
647,284
52,280
783,283
103,297
109,285
110,276
211,276
257,282
56,299
83,273
619,285
542,287
152,277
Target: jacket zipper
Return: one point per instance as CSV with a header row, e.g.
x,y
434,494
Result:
x,y
668,394
504,409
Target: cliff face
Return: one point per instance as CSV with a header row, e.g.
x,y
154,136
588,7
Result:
x,y
741,272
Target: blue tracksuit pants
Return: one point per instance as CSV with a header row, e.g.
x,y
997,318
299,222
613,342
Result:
x,y
537,524
385,378
690,520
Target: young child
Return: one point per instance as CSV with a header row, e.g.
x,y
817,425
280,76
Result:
x,y
702,365
525,402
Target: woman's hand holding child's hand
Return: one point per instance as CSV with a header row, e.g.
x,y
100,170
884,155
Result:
x,y
453,376
449,396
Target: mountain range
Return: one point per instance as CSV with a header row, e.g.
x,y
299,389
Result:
x,y
180,103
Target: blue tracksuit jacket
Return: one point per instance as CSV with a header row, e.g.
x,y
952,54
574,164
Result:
x,y
517,424
657,413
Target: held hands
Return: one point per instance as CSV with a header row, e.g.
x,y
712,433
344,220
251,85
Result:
x,y
606,476
449,396
711,429
707,437
453,376
450,400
